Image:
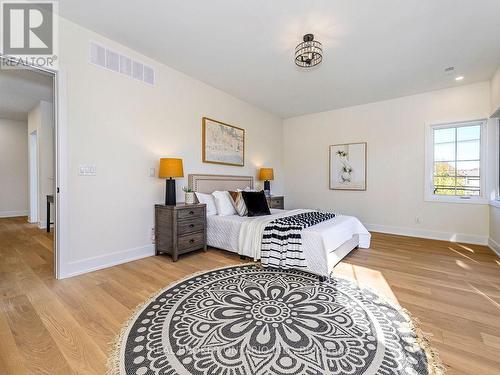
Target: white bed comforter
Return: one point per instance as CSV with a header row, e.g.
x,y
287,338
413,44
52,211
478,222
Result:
x,y
317,241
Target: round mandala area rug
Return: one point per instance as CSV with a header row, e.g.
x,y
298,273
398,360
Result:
x,y
248,320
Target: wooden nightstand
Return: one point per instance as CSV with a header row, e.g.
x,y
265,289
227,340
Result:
x,y
276,201
180,229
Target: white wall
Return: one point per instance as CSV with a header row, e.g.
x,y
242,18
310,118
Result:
x,y
41,120
395,132
123,127
13,168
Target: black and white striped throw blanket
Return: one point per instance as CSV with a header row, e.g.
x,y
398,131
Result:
x,y
282,239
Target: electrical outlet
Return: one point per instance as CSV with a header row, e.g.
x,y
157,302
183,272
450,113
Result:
x,y
418,220
152,235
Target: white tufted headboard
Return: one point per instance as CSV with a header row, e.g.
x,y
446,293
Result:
x,y
208,183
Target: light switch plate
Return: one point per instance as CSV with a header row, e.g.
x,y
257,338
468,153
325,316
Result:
x,y
152,172
86,170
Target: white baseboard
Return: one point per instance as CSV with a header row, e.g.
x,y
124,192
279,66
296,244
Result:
x,y
104,261
430,234
4,214
495,246
44,226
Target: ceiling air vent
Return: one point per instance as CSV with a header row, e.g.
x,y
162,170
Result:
x,y
97,55
149,75
138,70
116,62
112,61
125,65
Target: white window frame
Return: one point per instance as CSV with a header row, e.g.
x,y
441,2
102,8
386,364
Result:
x,y
429,165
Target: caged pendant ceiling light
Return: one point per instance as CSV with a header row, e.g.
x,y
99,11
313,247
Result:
x,y
309,53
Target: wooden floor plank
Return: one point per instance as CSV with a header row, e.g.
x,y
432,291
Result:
x,y
35,344
78,349
11,361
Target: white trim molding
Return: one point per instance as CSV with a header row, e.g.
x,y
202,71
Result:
x,y
4,214
495,246
44,225
104,261
429,234
61,236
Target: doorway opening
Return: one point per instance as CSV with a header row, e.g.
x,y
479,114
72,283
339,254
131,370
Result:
x,y
28,164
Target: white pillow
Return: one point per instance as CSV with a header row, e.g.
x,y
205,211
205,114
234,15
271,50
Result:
x,y
224,203
209,200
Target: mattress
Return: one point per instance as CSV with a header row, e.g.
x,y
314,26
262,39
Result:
x,y
323,244
223,232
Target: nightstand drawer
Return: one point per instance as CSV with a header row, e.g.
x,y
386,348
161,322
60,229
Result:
x,y
276,202
190,226
191,241
189,213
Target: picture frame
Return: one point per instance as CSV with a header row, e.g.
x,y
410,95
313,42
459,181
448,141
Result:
x,y
348,166
222,143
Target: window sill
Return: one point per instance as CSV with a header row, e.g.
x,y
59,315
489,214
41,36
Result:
x,y
446,199
495,203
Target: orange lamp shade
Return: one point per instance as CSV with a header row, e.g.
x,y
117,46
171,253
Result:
x,y
266,174
171,168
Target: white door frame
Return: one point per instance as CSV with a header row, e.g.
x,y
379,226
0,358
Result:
x,y
61,165
61,249
33,176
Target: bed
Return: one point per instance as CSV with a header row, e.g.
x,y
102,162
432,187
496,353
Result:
x,y
323,245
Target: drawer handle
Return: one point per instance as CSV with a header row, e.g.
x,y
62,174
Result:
x,y
191,240
191,225
191,212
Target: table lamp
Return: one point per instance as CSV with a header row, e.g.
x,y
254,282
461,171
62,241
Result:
x,y
266,174
169,169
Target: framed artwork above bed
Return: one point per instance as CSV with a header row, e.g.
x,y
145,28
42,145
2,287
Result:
x,y
222,143
348,166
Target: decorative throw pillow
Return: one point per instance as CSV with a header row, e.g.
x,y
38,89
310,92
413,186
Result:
x,y
209,200
256,203
238,203
223,203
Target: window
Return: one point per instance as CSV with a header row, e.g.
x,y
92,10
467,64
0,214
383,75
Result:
x,y
455,167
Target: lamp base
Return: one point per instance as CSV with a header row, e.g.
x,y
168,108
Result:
x,y
267,188
170,193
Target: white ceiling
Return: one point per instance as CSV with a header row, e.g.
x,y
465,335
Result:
x,y
21,90
374,50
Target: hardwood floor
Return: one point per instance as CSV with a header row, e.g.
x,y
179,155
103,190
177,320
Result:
x,y
55,327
